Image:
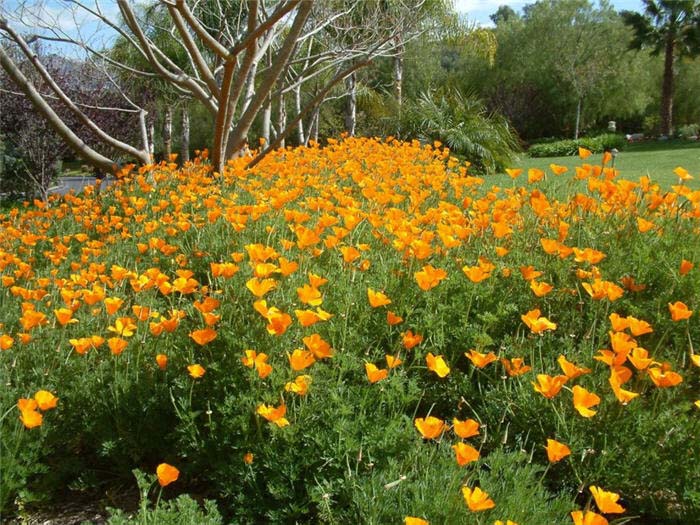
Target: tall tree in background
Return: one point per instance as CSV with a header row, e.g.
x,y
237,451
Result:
x,y
224,42
671,26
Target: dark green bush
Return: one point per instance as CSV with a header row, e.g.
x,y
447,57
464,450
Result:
x,y
561,148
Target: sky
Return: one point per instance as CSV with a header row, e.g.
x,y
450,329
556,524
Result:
x,y
479,10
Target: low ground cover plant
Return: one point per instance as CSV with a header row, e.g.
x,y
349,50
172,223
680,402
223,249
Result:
x,y
360,333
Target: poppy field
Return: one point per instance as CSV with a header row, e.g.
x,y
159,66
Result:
x,y
360,333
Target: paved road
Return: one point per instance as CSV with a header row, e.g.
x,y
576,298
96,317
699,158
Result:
x,y
66,184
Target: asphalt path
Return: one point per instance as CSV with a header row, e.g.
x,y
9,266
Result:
x,y
66,184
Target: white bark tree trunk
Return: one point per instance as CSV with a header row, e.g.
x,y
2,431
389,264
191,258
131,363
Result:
x,y
168,133
351,104
185,135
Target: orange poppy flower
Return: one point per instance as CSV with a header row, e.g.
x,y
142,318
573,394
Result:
x,y
570,370
203,336
309,317
556,451
301,359
514,173
639,357
410,340
663,377
618,322
273,414
588,255
166,474
31,319
618,376
437,364
64,316
540,289
299,386
515,366
316,280
465,454
117,345
679,311
411,520
629,283
557,169
196,371
584,400
430,427
320,348
682,173
393,362
123,326
162,361
6,342
549,386
606,501
475,274
584,153
529,273
112,304
695,358
225,270
639,326
685,267
429,277
248,458
537,324
45,400
142,313
310,295
535,175
393,319
209,304
587,518
377,299
479,359
465,429
287,267
375,374
28,413
476,499
260,287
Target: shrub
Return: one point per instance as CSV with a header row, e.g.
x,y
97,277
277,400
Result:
x,y
561,148
464,125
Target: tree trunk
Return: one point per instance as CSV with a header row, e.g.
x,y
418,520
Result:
x,y
168,134
351,105
578,118
281,118
185,135
667,87
398,85
313,126
152,139
297,108
266,121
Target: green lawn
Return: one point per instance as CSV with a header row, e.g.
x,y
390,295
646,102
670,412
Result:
x,y
656,159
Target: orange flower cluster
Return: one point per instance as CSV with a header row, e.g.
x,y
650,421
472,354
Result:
x,y
127,273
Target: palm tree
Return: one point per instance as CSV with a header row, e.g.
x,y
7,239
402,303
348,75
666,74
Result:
x,y
671,26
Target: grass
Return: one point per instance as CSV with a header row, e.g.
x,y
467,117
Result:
x,y
657,159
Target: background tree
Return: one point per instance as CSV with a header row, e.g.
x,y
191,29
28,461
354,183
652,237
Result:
x,y
224,43
671,26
